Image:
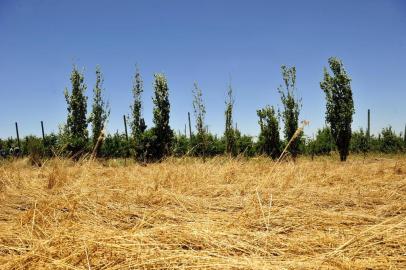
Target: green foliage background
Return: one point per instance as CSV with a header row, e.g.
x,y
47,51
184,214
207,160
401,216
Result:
x,y
159,141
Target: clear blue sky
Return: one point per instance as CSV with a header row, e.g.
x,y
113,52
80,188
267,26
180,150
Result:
x,y
203,41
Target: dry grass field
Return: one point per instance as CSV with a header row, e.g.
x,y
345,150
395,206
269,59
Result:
x,y
222,214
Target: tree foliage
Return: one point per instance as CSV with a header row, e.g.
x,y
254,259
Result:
x,y
100,111
390,142
360,142
269,141
323,143
159,141
76,125
162,131
292,106
340,105
245,144
137,121
229,133
115,146
200,113
180,145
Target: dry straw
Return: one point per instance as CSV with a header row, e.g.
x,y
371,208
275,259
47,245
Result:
x,y
221,214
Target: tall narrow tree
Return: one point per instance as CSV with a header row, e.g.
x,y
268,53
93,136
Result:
x,y
269,141
137,121
200,112
291,108
76,125
100,112
339,105
161,111
229,134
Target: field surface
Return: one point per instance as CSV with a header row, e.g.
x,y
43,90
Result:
x,y
222,214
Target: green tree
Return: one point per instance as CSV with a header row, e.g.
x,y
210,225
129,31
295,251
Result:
x,y
161,111
245,145
360,142
51,144
137,121
229,133
269,141
340,105
76,126
34,147
390,141
100,112
200,112
292,106
215,145
115,146
323,142
180,145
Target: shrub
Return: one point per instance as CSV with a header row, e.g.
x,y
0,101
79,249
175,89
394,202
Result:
x,y
390,142
269,141
180,145
115,146
34,147
359,142
245,144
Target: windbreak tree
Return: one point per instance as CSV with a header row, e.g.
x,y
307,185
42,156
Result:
x,y
200,112
76,125
100,112
269,141
339,105
292,106
162,132
137,121
229,133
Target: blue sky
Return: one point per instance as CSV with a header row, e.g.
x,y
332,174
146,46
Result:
x,y
203,41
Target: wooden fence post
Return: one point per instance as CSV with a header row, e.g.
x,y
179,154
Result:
x,y
369,124
126,137
190,126
125,127
404,136
18,136
43,133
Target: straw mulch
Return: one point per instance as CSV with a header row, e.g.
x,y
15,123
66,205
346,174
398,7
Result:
x,y
222,214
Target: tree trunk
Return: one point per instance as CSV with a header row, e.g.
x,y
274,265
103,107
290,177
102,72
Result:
x,y
343,157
